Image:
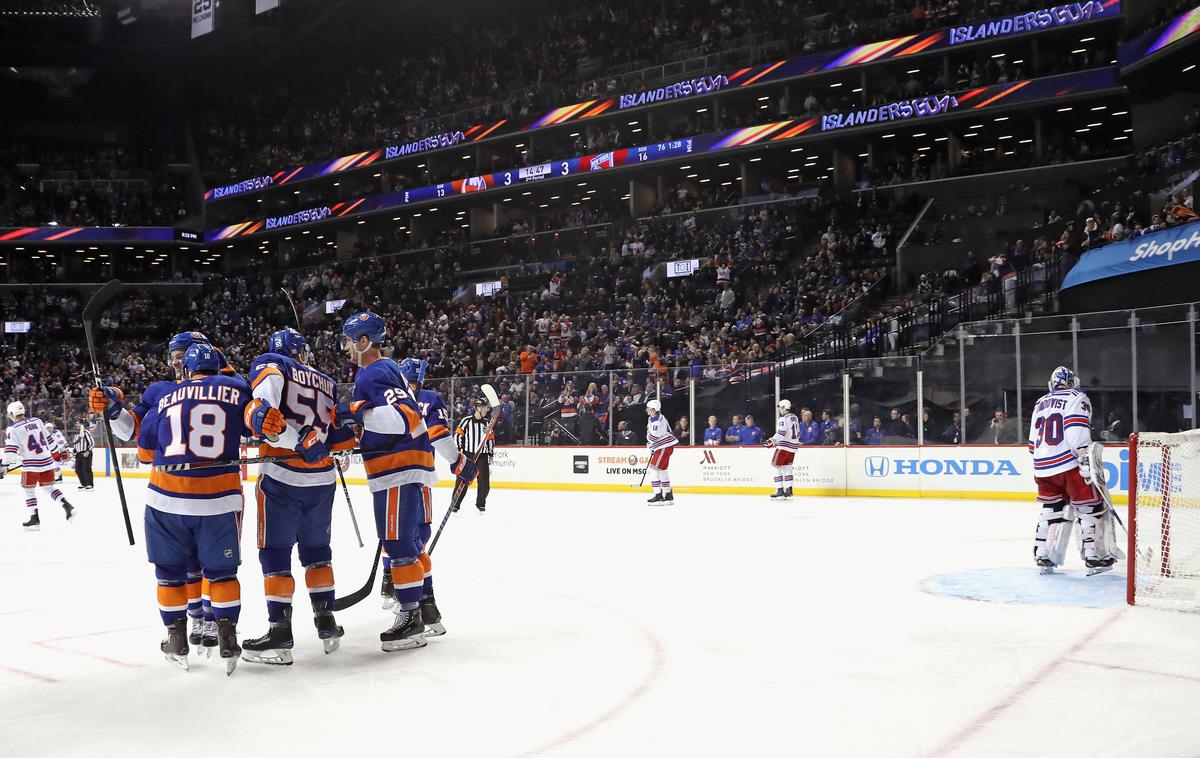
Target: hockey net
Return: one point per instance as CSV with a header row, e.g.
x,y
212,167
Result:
x,y
1164,520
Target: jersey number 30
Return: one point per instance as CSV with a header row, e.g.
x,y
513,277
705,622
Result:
x,y
1049,429
205,433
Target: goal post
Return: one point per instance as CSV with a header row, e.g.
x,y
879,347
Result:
x,y
1164,520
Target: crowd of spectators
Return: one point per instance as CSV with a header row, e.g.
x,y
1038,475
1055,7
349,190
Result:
x,y
89,185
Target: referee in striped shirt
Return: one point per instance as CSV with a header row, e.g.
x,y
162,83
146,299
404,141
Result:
x,y
471,435
83,457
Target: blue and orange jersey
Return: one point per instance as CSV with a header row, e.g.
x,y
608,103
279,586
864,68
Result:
x,y
392,460
305,397
199,420
437,421
157,389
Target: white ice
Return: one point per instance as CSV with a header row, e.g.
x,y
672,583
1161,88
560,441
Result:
x,y
590,624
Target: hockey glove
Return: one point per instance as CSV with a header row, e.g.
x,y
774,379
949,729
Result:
x,y
106,400
311,447
346,414
1085,465
464,468
265,421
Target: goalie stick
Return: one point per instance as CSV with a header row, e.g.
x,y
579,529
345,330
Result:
x,y
460,486
90,312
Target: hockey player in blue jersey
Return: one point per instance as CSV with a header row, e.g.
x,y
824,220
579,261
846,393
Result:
x,y
196,513
295,497
126,424
437,422
398,458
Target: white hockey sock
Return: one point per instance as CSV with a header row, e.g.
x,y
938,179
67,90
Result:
x,y
665,480
778,477
31,501
56,495
787,477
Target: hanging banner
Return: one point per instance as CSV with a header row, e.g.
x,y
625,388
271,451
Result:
x,y
204,13
1169,247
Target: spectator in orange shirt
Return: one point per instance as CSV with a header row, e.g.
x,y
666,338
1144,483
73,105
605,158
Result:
x,y
529,359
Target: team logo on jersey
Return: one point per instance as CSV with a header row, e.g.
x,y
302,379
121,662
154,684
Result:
x,y
363,316
877,466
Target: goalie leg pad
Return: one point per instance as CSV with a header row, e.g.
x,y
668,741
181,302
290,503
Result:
x,y
1097,532
1053,532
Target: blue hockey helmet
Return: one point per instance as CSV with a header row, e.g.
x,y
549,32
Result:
x,y
413,370
201,358
366,324
184,340
288,342
1063,378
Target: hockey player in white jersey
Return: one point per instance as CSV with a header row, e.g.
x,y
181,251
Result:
x,y
60,449
785,441
661,441
28,444
1059,436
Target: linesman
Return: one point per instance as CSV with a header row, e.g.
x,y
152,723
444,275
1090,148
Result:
x,y
471,435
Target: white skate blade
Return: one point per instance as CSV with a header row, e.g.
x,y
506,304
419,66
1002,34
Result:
x,y
1098,570
34,528
434,630
278,657
72,514
230,665
1044,570
408,643
330,644
207,651
389,603
179,660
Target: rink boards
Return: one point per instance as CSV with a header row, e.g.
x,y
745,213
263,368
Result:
x,y
996,472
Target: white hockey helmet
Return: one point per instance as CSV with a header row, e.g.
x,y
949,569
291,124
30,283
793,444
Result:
x,y
16,408
50,425
654,406
1063,378
785,405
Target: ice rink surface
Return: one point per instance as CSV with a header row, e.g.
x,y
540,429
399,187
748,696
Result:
x,y
590,624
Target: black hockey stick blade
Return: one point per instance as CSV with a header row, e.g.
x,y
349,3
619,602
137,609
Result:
x,y
90,311
342,603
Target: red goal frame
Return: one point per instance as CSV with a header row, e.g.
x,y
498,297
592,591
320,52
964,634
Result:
x,y
1164,568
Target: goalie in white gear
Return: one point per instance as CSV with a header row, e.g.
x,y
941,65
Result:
x,y
1059,436
785,441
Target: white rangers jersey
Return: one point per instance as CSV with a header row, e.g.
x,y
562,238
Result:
x,y
787,432
58,441
658,434
1061,424
28,443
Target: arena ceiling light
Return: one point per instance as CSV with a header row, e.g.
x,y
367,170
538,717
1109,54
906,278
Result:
x,y
633,123
1119,113
1025,142
635,131
835,84
755,160
1100,108
1118,139
860,155
887,136
1006,136
726,163
1088,39
940,139
1065,110
702,110
1188,68
975,126
764,97
918,134
998,119
999,55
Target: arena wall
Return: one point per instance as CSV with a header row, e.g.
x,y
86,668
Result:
x,y
989,472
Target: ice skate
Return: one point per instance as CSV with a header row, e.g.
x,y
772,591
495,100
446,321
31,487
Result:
x,y
175,647
482,508
779,494
196,635
387,591
328,630
34,524
431,617
273,648
227,641
1098,565
788,493
405,634
658,498
1045,565
68,511
208,638
669,499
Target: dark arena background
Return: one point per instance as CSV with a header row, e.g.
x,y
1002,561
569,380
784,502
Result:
x,y
747,377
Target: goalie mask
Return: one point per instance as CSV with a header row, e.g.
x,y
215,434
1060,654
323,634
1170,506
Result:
x,y
1063,378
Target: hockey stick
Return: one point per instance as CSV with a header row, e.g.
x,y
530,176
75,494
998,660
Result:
x,y
244,461
90,312
460,486
346,492
341,476
342,603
